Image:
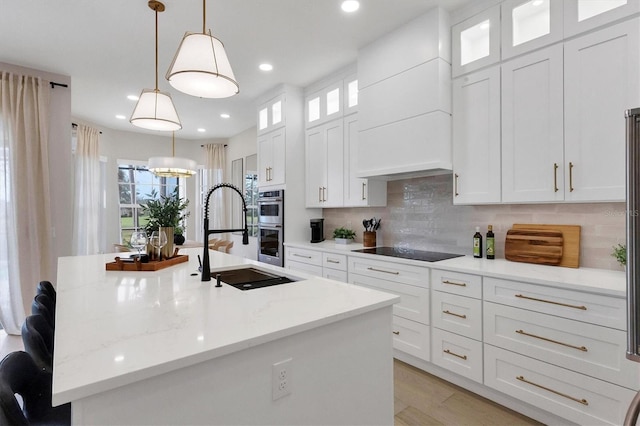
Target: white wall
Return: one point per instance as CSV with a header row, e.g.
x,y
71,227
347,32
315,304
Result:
x,y
60,163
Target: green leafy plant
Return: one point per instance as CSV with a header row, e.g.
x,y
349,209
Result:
x,y
620,253
165,211
344,233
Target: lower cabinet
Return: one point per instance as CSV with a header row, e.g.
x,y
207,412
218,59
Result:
x,y
570,395
456,353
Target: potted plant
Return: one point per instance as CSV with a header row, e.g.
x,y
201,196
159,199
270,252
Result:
x,y
166,213
343,235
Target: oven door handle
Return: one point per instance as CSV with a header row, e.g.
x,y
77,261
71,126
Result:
x,y
269,200
269,226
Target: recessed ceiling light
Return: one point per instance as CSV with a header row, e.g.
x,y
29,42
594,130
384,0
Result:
x,y
224,115
350,6
201,130
132,97
266,67
120,116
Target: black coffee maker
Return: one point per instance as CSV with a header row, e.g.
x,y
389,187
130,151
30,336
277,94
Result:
x,y
317,230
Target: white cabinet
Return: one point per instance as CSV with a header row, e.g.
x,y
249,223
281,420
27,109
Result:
x,y
324,165
584,15
476,41
317,262
325,104
601,82
271,114
272,157
359,192
476,137
334,266
532,127
529,25
405,100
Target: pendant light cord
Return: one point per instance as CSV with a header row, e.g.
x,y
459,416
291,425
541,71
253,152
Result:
x,y
156,9
204,16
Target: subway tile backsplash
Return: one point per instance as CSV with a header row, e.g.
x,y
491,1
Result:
x,y
420,214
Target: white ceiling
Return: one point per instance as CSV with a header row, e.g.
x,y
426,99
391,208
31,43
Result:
x,y
107,47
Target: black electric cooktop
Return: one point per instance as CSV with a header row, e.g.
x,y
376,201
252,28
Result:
x,y
425,256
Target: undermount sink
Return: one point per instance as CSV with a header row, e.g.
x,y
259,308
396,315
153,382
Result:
x,y
250,278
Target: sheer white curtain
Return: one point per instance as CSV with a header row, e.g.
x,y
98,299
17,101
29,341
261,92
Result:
x,y
215,161
86,208
25,226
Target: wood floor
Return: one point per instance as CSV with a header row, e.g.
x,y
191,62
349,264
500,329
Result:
x,y
422,399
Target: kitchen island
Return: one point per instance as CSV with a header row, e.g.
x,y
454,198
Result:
x,y
166,348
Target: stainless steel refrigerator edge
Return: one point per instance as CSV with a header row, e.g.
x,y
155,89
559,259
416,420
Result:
x,y
633,247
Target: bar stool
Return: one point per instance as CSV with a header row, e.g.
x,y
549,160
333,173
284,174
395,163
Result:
x,y
37,337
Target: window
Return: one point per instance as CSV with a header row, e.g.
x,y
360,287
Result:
x,y
137,185
251,198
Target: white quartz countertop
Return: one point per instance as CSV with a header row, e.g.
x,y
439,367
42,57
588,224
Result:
x,y
117,327
599,281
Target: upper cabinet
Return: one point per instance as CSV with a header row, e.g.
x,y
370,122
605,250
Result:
x,y
584,15
476,42
530,24
404,83
271,115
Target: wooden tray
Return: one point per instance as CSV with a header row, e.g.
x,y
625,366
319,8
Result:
x,y
153,265
571,241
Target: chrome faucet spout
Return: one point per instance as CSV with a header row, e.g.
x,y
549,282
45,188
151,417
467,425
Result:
x,y
206,268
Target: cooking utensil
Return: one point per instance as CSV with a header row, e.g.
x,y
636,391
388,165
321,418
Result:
x,y
365,223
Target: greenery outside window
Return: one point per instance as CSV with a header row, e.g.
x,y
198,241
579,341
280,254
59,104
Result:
x,y
251,198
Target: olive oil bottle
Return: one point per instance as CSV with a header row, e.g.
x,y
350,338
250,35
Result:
x,y
491,244
477,243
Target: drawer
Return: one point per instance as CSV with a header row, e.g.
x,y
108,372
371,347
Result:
x,y
397,272
456,353
414,301
334,274
311,257
304,267
457,283
458,314
335,261
596,309
411,337
586,348
578,398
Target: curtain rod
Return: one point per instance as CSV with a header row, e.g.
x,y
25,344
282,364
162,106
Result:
x,y
54,84
74,125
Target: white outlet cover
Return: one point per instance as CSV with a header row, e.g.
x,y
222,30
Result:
x,y
281,378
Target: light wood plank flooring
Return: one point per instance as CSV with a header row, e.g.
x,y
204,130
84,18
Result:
x,y
422,399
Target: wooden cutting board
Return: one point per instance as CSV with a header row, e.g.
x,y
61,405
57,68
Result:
x,y
571,241
534,246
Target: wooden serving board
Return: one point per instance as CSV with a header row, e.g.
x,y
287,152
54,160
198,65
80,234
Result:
x,y
534,246
119,265
571,241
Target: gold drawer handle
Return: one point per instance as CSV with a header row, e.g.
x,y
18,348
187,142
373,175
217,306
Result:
x,y
580,348
555,177
454,283
396,332
454,314
447,351
332,261
583,308
571,176
455,184
581,401
382,270
300,255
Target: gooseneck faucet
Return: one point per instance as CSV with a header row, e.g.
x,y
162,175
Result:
x,y
206,269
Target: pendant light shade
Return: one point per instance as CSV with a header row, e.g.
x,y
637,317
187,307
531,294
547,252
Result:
x,y
172,166
201,66
155,111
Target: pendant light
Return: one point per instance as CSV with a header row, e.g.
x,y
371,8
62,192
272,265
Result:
x,y
155,109
172,166
201,66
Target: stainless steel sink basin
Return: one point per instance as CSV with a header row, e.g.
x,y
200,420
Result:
x,y
250,278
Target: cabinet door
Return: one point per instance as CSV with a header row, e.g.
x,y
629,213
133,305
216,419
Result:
x,y
584,15
324,165
315,168
265,158
476,42
271,158
602,80
476,137
529,25
532,127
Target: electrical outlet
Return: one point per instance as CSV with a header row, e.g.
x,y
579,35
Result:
x,y
281,378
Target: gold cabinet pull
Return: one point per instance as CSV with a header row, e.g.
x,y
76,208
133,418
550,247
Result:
x,y
301,255
332,261
582,308
324,193
455,315
546,339
570,176
455,184
454,283
555,177
447,351
382,270
319,194
578,400
363,191
396,332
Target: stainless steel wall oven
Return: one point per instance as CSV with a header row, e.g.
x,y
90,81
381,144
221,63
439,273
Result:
x,y
271,227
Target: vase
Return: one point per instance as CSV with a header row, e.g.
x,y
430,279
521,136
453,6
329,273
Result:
x,y
343,240
167,250
178,239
